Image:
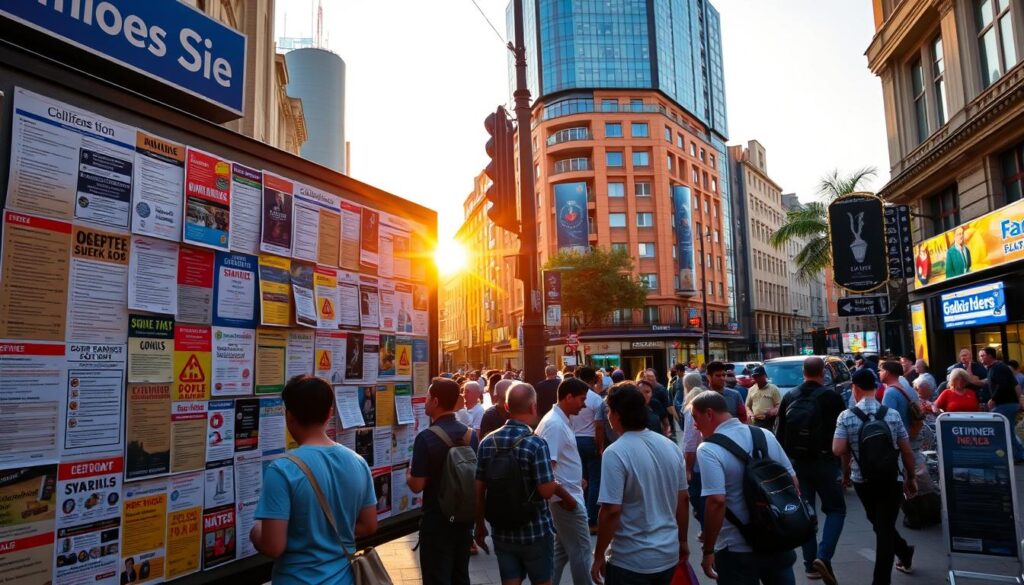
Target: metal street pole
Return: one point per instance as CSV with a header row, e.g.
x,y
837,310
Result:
x,y
704,298
534,337
781,354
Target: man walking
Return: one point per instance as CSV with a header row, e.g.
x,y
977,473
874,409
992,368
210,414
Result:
x,y
572,533
895,396
525,543
717,375
444,545
806,426
643,521
869,451
763,400
496,415
547,391
1006,397
589,441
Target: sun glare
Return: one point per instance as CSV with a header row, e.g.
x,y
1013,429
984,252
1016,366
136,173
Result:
x,y
450,257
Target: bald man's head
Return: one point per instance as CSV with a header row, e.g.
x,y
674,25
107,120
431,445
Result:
x,y
522,399
472,392
501,390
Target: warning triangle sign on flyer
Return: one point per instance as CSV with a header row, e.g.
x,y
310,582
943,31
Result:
x,y
403,357
327,309
192,372
325,361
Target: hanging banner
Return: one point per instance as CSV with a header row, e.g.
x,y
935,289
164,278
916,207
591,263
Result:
x,y
271,347
95,399
572,228
33,277
275,290
682,223
994,239
98,287
147,432
234,352
919,327
235,290
369,239
33,382
150,349
552,298
153,276
302,292
351,221
195,285
246,206
192,363
325,285
899,241
276,227
207,200
857,235
28,510
159,183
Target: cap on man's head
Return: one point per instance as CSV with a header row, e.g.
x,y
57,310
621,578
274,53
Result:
x,y
759,371
864,379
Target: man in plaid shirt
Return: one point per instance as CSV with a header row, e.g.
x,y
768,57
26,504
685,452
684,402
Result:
x,y
528,549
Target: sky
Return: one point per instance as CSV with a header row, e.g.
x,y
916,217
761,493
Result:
x,y
422,76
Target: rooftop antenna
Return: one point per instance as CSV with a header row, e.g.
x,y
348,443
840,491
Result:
x,y
318,41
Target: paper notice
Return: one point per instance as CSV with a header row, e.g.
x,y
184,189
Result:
x,y
419,409
246,203
247,424
249,483
98,287
403,358
382,488
184,524
235,290
402,255
351,219
371,357
403,307
220,484
382,444
354,367
311,240
301,348
220,430
385,405
330,235
302,291
27,516
95,399
369,239
89,490
272,426
420,366
403,404
192,363
147,432
347,438
364,445
271,345
368,404
348,300
153,276
275,290
150,349
92,553
219,536
348,406
34,277
369,303
207,200
386,254
234,352
329,358
305,230
402,498
32,384
420,310
276,227
69,163
195,285
144,528
188,436
386,365
387,305
325,292
159,183
405,438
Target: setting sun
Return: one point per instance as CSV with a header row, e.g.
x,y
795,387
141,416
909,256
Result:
x,y
450,257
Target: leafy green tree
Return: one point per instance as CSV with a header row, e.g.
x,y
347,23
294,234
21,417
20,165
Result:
x,y
596,283
810,222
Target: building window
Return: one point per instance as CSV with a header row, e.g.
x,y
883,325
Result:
x,y
677,311
715,238
703,155
1013,173
711,160
920,102
668,134
622,316
613,130
939,81
642,189
945,210
641,158
693,149
995,38
617,220
646,249
609,105
649,280
645,219
620,247
714,185
639,130
651,315
695,175
616,189
614,158
679,140
637,105
571,165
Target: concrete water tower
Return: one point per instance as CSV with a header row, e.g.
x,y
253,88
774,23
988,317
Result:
x,y
317,77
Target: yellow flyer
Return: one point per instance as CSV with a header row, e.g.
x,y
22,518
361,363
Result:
x,y
192,363
386,405
403,358
271,350
275,290
184,524
142,525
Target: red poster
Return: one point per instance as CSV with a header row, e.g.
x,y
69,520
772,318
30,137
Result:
x,y
195,285
219,536
207,200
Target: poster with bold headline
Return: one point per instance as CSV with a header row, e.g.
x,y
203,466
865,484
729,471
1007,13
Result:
x,y
207,200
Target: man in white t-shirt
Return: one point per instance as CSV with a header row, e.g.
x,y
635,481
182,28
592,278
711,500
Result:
x,y
473,412
590,447
572,534
644,501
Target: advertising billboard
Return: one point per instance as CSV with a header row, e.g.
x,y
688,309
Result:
x,y
976,305
683,227
918,322
858,341
857,238
573,231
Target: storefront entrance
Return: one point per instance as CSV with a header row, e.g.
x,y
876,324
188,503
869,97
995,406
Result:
x,y
1007,339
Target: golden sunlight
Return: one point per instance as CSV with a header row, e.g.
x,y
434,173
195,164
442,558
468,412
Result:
x,y
450,257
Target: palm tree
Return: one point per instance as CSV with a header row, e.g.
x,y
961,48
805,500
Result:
x,y
810,222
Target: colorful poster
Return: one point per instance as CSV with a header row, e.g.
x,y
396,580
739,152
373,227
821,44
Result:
x,y
403,358
420,310
192,363
220,430
150,349
364,445
368,404
246,204
420,366
159,183
371,357
302,291
69,163
33,277
419,410
403,404
271,346
354,349
207,200
88,521
275,291
405,438
369,239
247,424
369,302
219,538
184,524
387,305
402,498
301,351
683,226
351,218
188,436
329,358
348,406
153,276
144,527
235,290
276,226
388,353
919,327
234,353
219,484
33,381
385,402
195,285
382,488
95,399
572,228
403,307
325,291
147,432
98,287
272,429
316,225
28,510
348,300
394,235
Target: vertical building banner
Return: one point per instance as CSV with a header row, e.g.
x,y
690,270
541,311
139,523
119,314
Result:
x,y
681,223
920,331
573,230
552,298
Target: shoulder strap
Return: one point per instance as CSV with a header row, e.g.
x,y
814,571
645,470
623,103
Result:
x,y
321,499
759,442
859,413
729,445
442,435
468,438
882,410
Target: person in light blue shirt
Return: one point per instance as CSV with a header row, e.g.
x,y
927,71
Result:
x,y
895,396
291,527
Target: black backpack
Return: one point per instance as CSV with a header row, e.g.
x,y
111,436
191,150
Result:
x,y
802,435
878,458
508,502
779,518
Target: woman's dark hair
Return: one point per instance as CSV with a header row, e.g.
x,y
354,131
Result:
x,y
446,391
309,399
573,386
626,400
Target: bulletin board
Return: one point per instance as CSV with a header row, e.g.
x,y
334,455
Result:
x,y
161,278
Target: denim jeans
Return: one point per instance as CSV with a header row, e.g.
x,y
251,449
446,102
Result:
x,y
519,561
696,500
572,544
747,568
444,550
1009,410
592,473
882,505
822,478
618,576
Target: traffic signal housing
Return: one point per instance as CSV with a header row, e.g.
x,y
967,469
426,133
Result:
x,y
501,169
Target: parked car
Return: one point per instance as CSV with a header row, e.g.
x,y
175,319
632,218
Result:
x,y
787,373
743,373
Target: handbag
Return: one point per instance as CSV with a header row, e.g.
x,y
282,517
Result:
x,y
684,575
367,568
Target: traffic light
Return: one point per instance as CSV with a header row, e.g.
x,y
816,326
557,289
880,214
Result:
x,y
504,210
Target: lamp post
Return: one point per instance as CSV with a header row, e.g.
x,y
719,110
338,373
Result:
x,y
796,342
704,294
781,353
